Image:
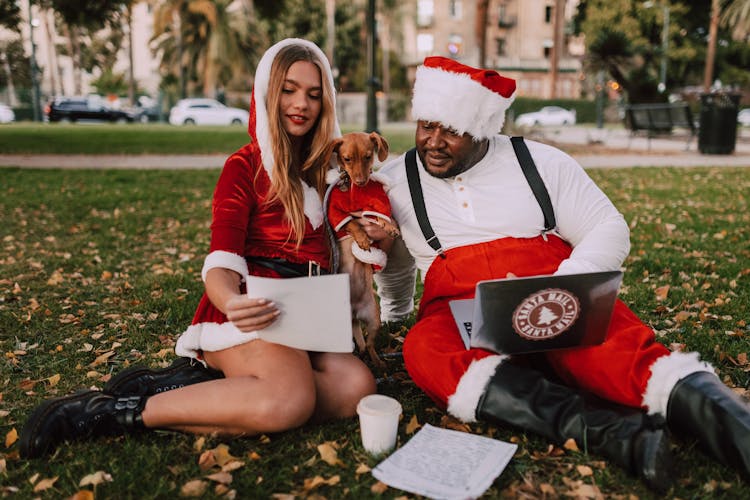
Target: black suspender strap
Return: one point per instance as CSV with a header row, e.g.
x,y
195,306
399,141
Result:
x,y
535,181
528,167
417,198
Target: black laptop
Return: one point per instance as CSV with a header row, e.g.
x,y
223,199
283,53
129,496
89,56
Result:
x,y
538,313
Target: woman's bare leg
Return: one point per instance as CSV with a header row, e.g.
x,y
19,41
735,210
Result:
x,y
341,380
268,388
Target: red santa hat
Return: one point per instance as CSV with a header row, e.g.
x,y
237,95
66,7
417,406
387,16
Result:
x,y
466,99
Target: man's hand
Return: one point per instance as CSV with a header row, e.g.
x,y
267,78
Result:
x,y
373,230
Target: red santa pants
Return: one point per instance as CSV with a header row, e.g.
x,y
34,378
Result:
x,y
435,357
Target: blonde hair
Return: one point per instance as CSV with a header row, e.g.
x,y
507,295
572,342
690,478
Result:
x,y
285,185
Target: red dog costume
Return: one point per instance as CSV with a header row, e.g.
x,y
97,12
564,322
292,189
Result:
x,y
371,200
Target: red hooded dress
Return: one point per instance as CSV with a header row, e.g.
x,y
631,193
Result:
x,y
244,225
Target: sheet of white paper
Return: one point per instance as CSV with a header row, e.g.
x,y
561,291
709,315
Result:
x,y
441,463
315,311
463,314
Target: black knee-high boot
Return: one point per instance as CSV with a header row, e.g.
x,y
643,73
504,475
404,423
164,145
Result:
x,y
703,407
84,414
523,398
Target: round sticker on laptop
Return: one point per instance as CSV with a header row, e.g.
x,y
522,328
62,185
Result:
x,y
546,314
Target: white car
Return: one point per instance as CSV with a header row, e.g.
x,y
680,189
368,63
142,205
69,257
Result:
x,y
6,114
548,115
202,111
743,117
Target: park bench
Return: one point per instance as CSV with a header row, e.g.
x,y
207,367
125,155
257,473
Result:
x,y
659,119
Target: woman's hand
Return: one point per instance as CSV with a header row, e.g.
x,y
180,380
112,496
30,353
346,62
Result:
x,y
250,314
223,289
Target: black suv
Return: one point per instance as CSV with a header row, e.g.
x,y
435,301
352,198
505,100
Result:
x,y
73,109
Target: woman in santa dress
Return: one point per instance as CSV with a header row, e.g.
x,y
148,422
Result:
x,y
267,221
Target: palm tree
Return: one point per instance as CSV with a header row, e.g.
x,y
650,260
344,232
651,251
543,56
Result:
x,y
216,41
736,15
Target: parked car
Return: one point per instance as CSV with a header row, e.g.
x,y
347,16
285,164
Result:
x,y
548,115
73,109
743,117
6,113
147,110
200,111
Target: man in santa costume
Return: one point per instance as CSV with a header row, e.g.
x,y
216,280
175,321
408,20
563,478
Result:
x,y
488,224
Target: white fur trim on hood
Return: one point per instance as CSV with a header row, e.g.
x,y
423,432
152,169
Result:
x,y
665,373
463,403
459,102
312,205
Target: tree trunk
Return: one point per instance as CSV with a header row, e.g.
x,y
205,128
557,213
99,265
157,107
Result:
x,y
557,46
131,71
481,31
54,66
708,75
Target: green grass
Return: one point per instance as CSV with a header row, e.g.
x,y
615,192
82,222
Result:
x,y
136,138
109,261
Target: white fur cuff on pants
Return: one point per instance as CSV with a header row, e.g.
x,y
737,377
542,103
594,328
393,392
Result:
x,y
665,373
463,403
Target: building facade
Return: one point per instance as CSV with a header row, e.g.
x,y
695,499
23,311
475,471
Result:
x,y
518,40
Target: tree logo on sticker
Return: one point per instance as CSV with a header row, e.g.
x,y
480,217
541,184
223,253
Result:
x,y
546,314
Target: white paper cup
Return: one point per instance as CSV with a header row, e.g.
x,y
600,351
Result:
x,y
378,422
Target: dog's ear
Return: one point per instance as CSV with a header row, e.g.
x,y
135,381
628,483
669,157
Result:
x,y
333,147
381,144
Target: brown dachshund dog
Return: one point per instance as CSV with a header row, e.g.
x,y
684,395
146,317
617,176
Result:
x,y
357,195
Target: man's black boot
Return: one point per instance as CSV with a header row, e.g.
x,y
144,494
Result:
x,y
86,413
703,407
144,381
521,397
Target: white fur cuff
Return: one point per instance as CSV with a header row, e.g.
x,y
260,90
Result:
x,y
463,403
372,256
224,260
665,373
210,337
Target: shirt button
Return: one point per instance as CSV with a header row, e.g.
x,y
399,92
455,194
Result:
x,y
465,205
461,188
459,179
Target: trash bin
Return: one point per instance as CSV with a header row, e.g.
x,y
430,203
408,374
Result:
x,y
718,123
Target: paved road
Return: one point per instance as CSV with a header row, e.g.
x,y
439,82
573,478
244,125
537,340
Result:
x,y
624,152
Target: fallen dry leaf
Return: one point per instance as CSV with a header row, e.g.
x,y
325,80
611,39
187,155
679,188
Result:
x,y
96,478
11,437
379,487
571,445
207,460
199,443
362,469
547,489
82,495
585,470
222,455
413,425
312,483
45,484
53,380
662,292
194,488
220,477
102,359
328,453
233,465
